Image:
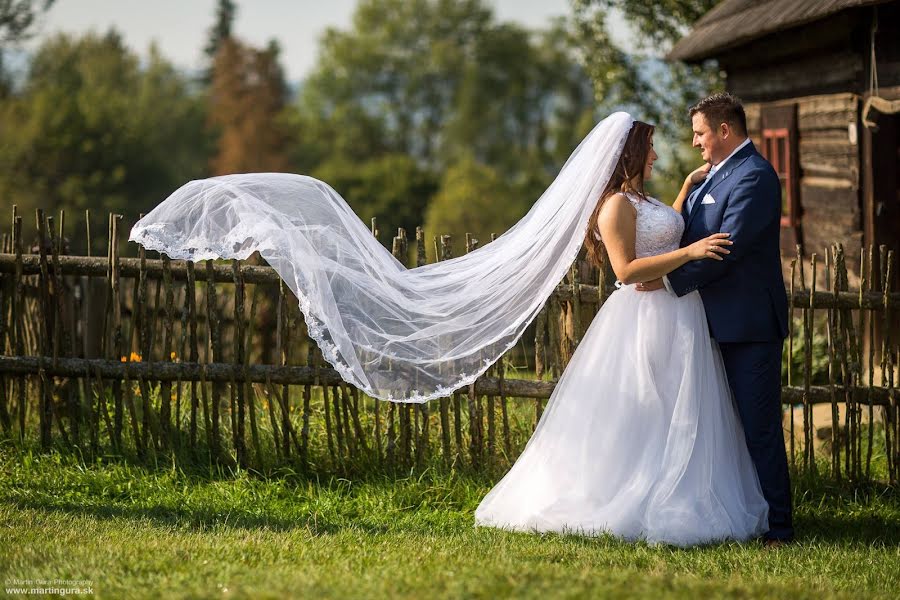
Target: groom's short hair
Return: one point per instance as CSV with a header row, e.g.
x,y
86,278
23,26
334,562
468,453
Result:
x,y
722,108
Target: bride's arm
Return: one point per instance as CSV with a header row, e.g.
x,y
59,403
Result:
x,y
695,177
617,221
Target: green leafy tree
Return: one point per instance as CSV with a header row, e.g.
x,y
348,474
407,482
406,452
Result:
x,y
474,199
443,83
639,79
519,103
91,129
17,20
402,60
391,187
344,133
660,23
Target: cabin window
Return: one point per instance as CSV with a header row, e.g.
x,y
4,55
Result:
x,y
777,150
778,129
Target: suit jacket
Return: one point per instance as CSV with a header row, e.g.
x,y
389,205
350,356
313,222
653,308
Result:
x,y
743,295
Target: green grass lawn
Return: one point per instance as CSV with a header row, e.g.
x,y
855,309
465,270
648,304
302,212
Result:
x,y
138,532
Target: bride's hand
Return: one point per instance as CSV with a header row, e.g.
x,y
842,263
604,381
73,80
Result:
x,y
710,247
698,175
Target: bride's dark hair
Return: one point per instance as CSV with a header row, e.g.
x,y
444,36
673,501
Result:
x,y
628,176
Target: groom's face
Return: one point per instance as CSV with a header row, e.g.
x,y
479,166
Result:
x,y
709,140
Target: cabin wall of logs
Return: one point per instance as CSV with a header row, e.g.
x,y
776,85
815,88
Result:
x,y
828,169
143,357
831,84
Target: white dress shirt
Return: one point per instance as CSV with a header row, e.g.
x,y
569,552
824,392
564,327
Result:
x,y
709,177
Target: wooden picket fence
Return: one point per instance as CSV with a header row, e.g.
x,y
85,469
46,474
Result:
x,y
170,370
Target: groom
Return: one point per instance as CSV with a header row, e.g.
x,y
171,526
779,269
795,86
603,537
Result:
x,y
743,295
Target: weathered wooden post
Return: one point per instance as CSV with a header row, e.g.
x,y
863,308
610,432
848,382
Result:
x,y
422,439
214,343
446,252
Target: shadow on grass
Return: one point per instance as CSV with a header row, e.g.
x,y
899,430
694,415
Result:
x,y
196,466
825,511
198,520
857,529
841,512
878,528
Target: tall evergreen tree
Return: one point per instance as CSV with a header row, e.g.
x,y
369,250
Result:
x,y
246,102
246,105
226,10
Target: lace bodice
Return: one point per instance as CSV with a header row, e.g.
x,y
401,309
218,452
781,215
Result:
x,y
658,229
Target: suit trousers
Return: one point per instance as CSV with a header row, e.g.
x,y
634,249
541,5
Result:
x,y
754,374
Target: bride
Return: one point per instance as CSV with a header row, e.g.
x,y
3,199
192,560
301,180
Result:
x,y
640,438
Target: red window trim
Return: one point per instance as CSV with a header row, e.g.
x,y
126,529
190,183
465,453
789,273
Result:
x,y
770,137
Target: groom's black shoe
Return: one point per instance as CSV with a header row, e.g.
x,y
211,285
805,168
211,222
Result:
x,y
772,543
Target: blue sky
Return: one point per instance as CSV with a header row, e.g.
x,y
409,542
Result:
x,y
179,26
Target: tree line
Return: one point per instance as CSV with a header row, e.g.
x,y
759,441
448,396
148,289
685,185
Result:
x,y
421,112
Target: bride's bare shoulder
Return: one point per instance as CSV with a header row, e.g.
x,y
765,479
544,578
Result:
x,y
616,204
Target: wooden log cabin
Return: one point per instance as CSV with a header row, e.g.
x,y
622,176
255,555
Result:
x,y
820,82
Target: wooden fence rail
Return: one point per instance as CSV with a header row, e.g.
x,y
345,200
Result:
x,y
302,375
153,355
222,273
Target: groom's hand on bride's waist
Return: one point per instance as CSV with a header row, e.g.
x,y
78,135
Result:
x,y
650,286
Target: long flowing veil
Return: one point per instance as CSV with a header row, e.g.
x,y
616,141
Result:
x,y
398,334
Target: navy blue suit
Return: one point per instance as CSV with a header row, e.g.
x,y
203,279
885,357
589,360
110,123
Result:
x,y
746,307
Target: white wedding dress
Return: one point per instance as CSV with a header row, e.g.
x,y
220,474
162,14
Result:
x,y
640,438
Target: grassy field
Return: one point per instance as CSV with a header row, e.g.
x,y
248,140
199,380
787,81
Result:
x,y
135,532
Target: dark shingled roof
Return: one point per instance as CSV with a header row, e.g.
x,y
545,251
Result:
x,y
733,23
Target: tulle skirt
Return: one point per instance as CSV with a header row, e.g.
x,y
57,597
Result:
x,y
640,438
